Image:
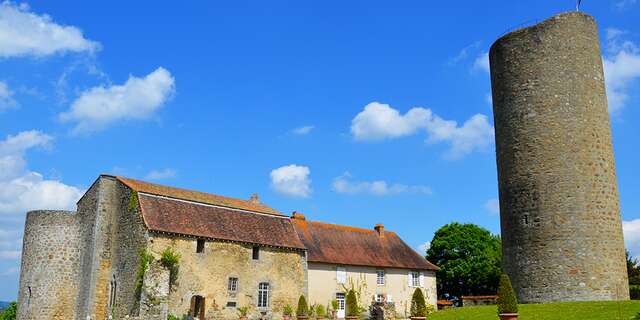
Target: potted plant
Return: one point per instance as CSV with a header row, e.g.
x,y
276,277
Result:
x,y
243,312
321,312
287,311
507,301
418,306
334,309
302,312
351,301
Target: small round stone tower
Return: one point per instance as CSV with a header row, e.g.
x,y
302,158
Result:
x,y
560,215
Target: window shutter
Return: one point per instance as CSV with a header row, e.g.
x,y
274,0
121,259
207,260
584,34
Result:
x,y
409,280
389,298
421,279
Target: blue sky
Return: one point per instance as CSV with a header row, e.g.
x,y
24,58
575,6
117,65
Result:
x,y
359,113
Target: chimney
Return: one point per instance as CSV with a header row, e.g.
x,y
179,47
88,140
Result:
x,y
255,198
380,229
298,216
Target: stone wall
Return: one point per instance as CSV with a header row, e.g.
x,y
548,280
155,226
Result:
x,y
206,274
50,265
560,215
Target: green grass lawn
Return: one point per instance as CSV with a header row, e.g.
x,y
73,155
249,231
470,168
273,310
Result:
x,y
561,311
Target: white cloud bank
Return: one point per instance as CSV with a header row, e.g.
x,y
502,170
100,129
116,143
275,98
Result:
x,y
631,231
344,184
380,121
24,33
303,130
138,98
292,180
423,248
22,190
621,68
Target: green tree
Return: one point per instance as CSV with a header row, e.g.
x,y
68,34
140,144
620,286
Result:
x,y
351,301
9,313
303,308
469,258
418,304
633,270
506,301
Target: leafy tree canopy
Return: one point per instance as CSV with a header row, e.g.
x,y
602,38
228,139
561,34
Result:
x,y
633,269
9,313
469,258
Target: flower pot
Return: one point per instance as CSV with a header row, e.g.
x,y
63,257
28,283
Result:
x,y
302,317
243,318
418,318
286,317
351,317
508,316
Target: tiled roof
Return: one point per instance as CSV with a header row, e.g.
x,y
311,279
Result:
x,y
202,197
335,244
203,220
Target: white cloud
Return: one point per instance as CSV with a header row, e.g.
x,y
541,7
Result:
x,y
482,62
6,97
344,184
24,33
22,190
625,3
292,180
631,231
492,206
10,254
11,271
138,98
464,53
380,121
621,68
161,174
303,130
422,249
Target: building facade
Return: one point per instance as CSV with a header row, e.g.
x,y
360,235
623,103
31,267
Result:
x,y
111,258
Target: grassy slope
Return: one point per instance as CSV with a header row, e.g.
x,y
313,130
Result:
x,y
560,311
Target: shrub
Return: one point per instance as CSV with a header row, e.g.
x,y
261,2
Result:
x,y
170,260
172,317
634,292
334,305
303,309
321,312
10,312
287,310
507,301
243,311
145,259
352,304
418,305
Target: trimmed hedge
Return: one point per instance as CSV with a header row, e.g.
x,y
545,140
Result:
x,y
351,302
507,301
303,308
418,305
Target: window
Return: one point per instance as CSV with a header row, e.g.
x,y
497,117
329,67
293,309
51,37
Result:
x,y
415,278
341,275
380,277
263,295
112,293
256,253
231,304
200,246
197,307
379,297
233,284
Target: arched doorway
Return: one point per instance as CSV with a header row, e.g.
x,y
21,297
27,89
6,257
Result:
x,y
197,307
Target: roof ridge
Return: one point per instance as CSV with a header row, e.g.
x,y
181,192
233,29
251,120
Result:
x,y
345,227
195,196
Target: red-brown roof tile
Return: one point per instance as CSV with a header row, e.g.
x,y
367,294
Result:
x,y
330,243
171,192
202,220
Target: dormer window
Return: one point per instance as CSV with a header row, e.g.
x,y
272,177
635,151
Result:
x,y
200,246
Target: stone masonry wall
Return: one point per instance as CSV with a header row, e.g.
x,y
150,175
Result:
x,y
560,215
206,274
50,265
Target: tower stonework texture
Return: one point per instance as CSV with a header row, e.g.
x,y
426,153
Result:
x,y
560,215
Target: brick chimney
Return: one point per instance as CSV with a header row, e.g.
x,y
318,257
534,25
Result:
x,y
255,198
380,229
298,216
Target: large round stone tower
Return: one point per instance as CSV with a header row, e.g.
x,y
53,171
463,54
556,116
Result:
x,y
560,215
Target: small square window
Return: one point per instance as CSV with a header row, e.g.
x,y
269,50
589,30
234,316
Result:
x,y
256,253
379,297
200,246
231,304
233,284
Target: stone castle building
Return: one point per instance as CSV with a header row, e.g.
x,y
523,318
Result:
x,y
560,214
112,258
